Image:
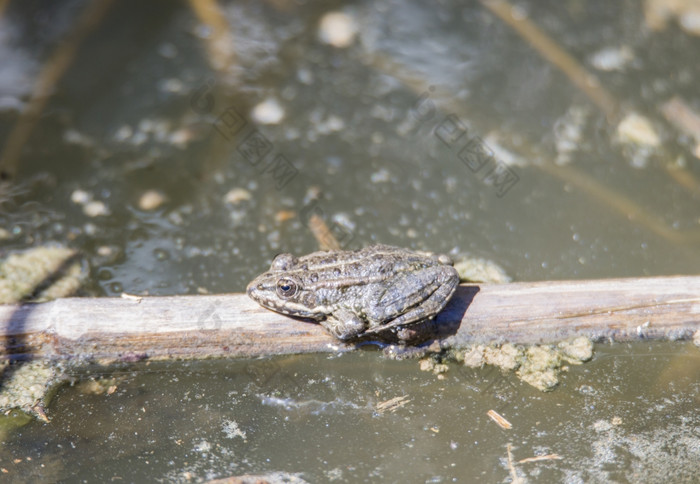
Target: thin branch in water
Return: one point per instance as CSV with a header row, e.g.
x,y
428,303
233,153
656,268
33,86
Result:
x,y
49,76
550,50
220,44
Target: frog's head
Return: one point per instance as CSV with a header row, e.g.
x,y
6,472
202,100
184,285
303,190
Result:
x,y
282,289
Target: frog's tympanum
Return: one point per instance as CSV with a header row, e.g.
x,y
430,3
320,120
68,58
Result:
x,y
373,291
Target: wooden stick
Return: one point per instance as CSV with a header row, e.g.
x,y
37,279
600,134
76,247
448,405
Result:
x,y
607,309
231,325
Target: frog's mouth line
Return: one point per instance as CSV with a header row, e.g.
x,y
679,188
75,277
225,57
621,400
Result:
x,y
298,311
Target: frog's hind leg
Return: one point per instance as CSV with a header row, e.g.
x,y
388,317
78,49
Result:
x,y
415,297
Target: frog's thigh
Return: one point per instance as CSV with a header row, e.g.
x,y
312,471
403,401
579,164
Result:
x,y
413,296
343,324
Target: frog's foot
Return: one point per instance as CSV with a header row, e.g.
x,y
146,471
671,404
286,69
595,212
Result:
x,y
344,324
416,333
403,352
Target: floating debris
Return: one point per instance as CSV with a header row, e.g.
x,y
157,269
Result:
x,y
538,365
99,386
269,478
576,351
28,387
539,458
232,430
637,129
540,368
392,405
506,357
40,274
475,269
499,419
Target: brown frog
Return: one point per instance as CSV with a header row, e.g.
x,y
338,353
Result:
x,y
373,291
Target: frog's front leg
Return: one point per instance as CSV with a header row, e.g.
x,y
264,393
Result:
x,y
344,324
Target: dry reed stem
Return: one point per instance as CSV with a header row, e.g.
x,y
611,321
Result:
x,y
220,44
624,206
49,76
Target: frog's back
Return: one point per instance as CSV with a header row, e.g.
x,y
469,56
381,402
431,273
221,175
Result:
x,y
366,266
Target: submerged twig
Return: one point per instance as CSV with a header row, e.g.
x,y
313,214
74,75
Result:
x,y
49,76
550,50
3,6
220,44
620,203
578,75
515,479
325,238
624,206
540,458
392,405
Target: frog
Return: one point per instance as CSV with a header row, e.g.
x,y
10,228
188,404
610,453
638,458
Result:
x,y
380,291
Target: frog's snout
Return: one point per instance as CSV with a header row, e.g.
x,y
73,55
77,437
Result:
x,y
254,288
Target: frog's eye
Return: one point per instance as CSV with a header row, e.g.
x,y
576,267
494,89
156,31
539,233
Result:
x,y
286,288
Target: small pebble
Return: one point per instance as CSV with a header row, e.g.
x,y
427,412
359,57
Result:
x,y
95,208
612,58
285,215
237,195
104,250
690,21
381,176
182,137
337,29
151,200
268,112
80,197
171,85
637,129
123,133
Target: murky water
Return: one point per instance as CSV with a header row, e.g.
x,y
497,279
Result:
x,y
630,415
375,138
